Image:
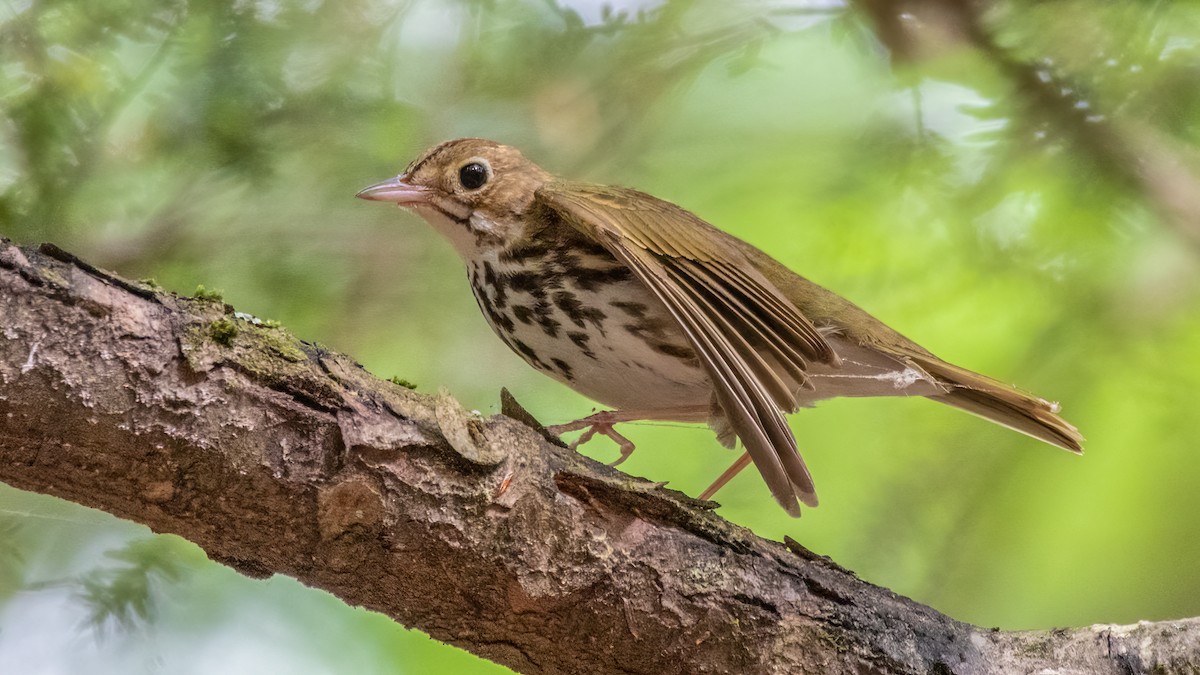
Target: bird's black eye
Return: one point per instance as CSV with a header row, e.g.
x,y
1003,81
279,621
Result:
x,y
473,175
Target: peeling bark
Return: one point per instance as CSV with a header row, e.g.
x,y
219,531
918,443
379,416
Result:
x,y
278,456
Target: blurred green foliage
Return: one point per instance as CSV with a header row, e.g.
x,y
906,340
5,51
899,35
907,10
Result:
x,y
1016,192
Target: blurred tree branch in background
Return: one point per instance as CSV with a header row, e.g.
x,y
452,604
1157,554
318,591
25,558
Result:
x,y
1161,169
278,457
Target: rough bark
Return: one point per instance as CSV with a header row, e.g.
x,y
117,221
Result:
x,y
278,456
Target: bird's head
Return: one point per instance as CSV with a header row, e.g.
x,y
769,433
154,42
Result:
x,y
474,191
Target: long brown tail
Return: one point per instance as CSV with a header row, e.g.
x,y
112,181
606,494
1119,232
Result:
x,y
1001,403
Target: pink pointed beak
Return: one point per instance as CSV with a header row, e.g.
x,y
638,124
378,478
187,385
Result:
x,y
397,190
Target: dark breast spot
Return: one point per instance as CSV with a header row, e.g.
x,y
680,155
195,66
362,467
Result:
x,y
581,340
545,317
577,312
635,309
530,356
564,368
498,319
533,250
527,281
649,328
493,281
590,279
680,352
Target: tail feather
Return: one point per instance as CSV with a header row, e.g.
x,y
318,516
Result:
x,y
1001,403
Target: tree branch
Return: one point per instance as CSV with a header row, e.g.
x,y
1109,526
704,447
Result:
x,y
1164,174
277,456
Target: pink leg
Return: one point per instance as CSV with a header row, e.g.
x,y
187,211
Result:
x,y
741,463
602,423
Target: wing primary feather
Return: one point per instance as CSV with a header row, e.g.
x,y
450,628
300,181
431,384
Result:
x,y
764,374
819,347
782,309
784,352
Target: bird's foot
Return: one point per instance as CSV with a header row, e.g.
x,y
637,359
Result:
x,y
599,423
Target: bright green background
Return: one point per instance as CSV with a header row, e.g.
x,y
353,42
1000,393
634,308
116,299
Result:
x,y
196,144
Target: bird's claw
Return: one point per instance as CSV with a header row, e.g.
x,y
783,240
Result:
x,y
600,423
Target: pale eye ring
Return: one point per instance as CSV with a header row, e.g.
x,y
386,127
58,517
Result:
x,y
473,175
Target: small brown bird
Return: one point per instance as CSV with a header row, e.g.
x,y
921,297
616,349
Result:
x,y
643,306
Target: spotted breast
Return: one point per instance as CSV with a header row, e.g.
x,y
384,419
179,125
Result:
x,y
570,310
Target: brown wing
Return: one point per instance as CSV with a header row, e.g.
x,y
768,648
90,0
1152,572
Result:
x,y
754,344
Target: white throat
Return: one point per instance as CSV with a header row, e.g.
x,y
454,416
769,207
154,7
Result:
x,y
473,238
